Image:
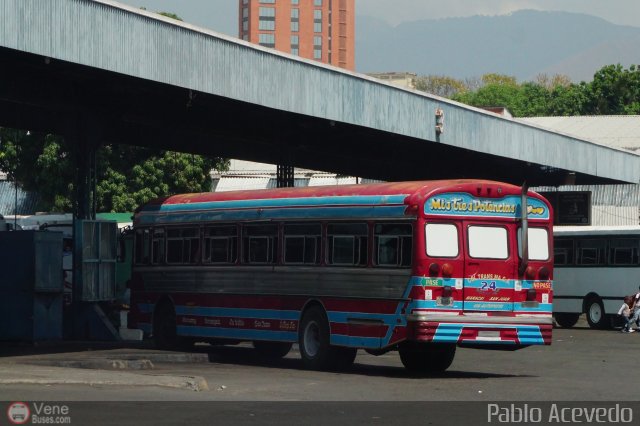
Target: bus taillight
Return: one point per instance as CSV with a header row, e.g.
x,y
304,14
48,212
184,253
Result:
x,y
530,273
434,269
543,273
447,270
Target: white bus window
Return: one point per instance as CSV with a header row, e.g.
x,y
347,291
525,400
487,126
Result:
x,y
441,240
623,251
563,252
488,242
538,242
591,252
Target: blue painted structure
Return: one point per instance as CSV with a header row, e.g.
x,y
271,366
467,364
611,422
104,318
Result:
x,y
31,285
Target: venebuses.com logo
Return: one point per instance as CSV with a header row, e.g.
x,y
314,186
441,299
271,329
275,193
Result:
x,y
18,413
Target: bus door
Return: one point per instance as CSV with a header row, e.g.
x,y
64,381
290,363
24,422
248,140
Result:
x,y
490,268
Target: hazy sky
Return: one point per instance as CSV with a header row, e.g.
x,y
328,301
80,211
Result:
x,y
221,15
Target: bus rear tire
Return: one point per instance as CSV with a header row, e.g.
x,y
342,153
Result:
x,y
314,339
595,313
430,358
566,319
272,350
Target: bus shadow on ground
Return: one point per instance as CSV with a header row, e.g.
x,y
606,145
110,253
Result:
x,y
244,356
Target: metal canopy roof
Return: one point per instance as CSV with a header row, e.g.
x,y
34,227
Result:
x,y
104,72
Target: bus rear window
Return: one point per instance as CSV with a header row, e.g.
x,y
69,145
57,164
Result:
x,y
488,242
441,240
538,242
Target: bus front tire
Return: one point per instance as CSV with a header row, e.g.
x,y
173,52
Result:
x,y
272,350
566,319
165,330
429,358
595,313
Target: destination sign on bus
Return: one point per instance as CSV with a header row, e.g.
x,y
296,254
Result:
x,y
462,204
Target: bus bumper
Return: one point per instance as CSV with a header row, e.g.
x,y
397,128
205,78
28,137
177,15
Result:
x,y
486,332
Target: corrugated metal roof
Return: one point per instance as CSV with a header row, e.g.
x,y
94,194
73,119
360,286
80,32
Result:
x,y
237,183
117,38
27,201
620,131
611,205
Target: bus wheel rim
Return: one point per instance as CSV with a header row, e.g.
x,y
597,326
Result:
x,y
312,339
594,312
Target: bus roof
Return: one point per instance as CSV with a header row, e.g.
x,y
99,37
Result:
x,y
417,190
596,230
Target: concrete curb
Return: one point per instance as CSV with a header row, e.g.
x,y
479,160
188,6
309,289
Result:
x,y
41,375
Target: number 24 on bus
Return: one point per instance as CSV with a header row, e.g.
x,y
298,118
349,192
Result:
x,y
418,267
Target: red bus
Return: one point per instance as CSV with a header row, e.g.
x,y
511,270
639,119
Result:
x,y
421,267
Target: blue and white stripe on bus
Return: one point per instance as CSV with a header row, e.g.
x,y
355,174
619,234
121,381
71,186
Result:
x,y
238,313
450,333
365,212
237,333
353,200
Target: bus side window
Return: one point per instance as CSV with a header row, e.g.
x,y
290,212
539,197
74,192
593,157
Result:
x,y
302,243
591,252
563,252
623,251
393,245
142,244
157,246
347,244
183,245
221,244
260,244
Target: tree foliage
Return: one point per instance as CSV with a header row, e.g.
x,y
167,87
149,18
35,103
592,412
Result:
x,y
614,90
127,176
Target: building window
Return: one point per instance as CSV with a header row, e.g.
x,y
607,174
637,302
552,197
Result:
x,y
317,54
295,26
294,1
245,26
317,2
317,21
267,40
317,42
267,18
268,1
245,12
295,51
295,14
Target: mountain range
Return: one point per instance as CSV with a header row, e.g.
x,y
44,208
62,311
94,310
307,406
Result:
x,y
522,44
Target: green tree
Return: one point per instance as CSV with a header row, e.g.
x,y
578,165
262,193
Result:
x,y
615,90
440,85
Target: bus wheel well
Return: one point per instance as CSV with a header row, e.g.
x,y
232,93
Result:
x,y
588,298
164,302
312,303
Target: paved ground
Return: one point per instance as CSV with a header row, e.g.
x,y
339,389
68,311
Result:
x,y
581,364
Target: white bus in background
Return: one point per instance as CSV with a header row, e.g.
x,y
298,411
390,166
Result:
x,y
595,268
